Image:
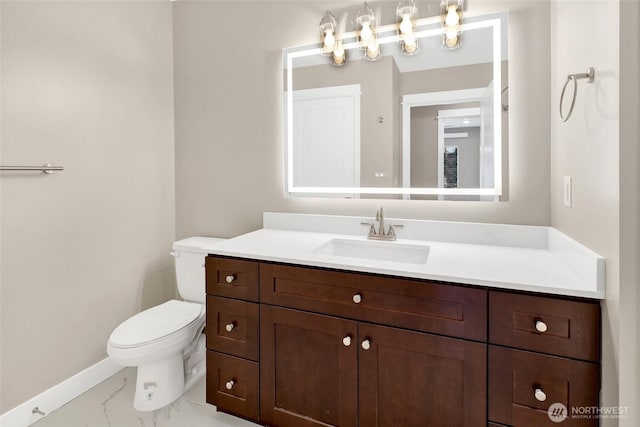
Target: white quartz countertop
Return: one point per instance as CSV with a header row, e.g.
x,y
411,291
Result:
x,y
539,260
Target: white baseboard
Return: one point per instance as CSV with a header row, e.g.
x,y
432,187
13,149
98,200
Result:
x,y
59,395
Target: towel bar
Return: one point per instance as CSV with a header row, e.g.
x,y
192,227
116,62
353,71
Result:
x,y
47,168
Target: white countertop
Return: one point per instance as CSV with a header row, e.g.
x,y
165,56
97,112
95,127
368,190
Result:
x,y
537,259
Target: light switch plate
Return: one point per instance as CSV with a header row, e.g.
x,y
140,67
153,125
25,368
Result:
x,y
568,191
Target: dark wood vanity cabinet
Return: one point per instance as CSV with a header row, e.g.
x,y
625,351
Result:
x,y
232,330
303,346
368,374
319,370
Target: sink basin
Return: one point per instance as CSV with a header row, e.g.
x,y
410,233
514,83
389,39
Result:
x,y
375,250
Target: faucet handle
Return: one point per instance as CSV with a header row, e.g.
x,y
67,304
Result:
x,y
391,233
372,228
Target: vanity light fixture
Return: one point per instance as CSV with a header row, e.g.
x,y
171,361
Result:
x,y
406,13
367,37
451,22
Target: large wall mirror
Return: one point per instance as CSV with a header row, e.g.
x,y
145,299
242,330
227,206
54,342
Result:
x,y
427,126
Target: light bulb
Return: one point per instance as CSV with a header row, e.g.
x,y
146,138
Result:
x,y
406,27
410,48
366,33
451,41
329,39
410,40
373,50
452,18
338,54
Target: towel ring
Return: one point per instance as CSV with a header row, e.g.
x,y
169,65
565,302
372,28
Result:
x,y
505,105
589,75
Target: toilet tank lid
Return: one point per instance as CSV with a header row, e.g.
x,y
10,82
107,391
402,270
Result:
x,y
195,244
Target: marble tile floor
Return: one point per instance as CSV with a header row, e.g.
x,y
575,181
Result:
x,y
110,404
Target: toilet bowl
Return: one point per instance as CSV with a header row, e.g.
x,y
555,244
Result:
x,y
165,342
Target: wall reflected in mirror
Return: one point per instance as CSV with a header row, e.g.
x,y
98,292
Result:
x,y
396,127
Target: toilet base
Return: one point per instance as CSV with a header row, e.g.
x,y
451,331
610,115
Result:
x,y
159,383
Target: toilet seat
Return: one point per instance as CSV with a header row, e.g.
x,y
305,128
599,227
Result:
x,y
156,323
155,331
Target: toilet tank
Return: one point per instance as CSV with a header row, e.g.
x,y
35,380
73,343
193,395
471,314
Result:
x,y
189,256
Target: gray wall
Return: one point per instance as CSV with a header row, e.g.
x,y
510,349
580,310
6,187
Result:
x,y
87,85
452,78
228,122
588,148
630,209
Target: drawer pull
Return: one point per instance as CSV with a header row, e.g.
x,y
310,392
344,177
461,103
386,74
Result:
x,y
541,326
230,278
357,298
366,344
540,395
230,326
229,385
346,341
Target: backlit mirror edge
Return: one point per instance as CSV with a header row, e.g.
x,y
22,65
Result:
x,y
354,192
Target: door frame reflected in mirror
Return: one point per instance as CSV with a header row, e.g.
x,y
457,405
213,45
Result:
x,y
443,98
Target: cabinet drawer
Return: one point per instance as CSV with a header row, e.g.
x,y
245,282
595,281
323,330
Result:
x,y
571,328
419,305
232,384
232,278
233,327
515,375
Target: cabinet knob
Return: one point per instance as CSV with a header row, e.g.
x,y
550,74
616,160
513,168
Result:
x,y
540,395
229,385
346,341
541,326
366,344
357,298
230,326
230,278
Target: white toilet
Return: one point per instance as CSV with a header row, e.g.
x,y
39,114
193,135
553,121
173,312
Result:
x,y
166,342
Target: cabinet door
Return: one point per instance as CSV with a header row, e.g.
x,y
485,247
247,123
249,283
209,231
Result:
x,y
308,372
414,379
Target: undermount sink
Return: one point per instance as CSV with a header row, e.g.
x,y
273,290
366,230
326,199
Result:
x,y
375,250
